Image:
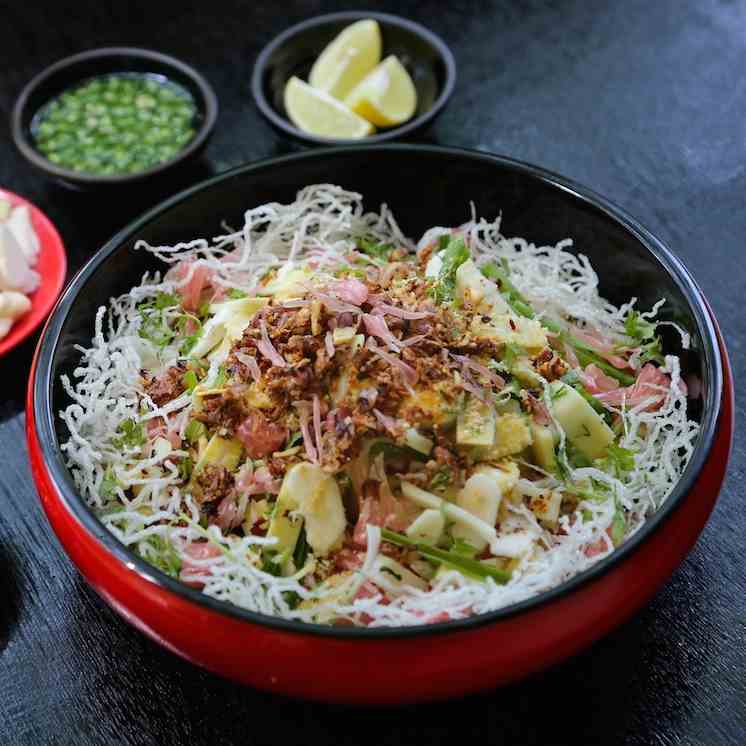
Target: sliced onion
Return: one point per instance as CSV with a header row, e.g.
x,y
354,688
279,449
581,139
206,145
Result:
x,y
302,407
389,423
468,364
250,362
245,475
473,388
412,340
228,515
409,373
267,349
540,411
334,304
263,482
376,325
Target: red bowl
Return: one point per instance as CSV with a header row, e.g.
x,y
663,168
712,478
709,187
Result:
x,y
52,266
401,664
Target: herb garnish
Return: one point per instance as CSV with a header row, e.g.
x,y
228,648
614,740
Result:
x,y
153,323
132,434
453,254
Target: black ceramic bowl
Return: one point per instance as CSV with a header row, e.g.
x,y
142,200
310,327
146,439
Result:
x,y
70,71
425,56
403,663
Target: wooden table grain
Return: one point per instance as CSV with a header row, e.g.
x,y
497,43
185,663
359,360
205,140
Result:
x,y
645,103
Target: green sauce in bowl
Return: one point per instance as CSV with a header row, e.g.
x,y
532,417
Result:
x,y
120,123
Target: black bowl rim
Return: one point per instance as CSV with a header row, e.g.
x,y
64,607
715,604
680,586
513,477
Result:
x,y
73,502
207,101
284,124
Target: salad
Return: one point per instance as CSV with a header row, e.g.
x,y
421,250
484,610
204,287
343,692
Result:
x,y
315,418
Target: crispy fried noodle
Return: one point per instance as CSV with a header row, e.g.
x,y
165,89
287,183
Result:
x,y
314,418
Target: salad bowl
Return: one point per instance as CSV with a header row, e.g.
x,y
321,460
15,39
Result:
x,y
424,186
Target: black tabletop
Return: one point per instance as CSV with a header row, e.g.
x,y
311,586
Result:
x,y
645,102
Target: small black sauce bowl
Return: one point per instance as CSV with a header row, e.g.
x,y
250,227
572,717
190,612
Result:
x,y
70,71
425,56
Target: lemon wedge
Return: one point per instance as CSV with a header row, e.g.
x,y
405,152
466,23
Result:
x,y
347,59
320,114
386,96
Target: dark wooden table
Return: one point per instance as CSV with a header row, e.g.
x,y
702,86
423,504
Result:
x,y
644,102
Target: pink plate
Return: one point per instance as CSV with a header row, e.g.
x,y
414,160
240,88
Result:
x,y
52,266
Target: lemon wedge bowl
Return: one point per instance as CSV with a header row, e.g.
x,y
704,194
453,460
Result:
x,y
386,96
318,113
347,59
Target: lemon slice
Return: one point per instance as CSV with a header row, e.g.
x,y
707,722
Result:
x,y
347,59
320,114
386,96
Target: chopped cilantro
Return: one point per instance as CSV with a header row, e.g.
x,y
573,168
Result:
x,y
347,272
511,352
109,484
619,461
652,352
185,468
643,332
188,344
639,328
189,379
155,329
374,249
189,339
153,323
235,294
161,553
221,378
160,302
194,431
132,434
595,490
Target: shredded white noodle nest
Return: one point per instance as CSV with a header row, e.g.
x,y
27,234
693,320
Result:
x,y
322,222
